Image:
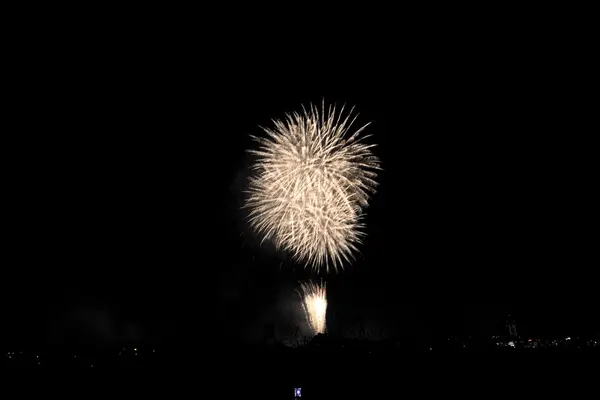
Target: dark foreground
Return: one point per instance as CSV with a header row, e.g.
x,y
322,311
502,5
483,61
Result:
x,y
322,368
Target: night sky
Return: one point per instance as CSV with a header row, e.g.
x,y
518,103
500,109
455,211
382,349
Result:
x,y
127,168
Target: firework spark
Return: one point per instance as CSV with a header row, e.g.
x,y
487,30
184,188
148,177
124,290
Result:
x,y
310,184
314,303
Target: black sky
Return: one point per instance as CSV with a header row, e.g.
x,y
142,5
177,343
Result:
x,y
127,165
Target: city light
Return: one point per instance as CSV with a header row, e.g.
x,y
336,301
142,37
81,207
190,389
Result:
x,y
509,344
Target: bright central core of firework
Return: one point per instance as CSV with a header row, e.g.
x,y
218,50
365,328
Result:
x,y
314,303
310,183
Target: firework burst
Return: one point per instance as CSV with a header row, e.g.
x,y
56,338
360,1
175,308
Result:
x,y
314,303
310,184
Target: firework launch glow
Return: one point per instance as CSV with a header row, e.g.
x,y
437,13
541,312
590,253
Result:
x,y
310,184
314,303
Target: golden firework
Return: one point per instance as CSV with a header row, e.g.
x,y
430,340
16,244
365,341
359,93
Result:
x,y
314,303
309,186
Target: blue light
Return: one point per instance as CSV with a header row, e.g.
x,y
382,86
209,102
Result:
x,y
298,392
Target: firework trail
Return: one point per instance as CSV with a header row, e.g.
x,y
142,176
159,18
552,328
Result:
x,y
314,303
310,184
